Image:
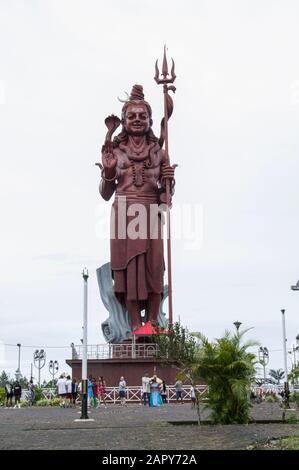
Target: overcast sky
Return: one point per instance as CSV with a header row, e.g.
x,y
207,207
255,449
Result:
x,y
234,134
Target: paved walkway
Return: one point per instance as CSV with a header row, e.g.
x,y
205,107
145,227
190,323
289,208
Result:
x,y
133,427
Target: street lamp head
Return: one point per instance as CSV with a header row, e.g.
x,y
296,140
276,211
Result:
x,y
282,311
296,287
237,324
85,274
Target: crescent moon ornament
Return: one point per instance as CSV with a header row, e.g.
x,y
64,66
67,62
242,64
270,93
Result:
x,y
124,101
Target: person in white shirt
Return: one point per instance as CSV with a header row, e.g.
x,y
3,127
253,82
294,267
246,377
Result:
x,y
61,389
146,389
122,391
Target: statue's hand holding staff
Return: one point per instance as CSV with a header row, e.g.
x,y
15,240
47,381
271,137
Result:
x,y
167,173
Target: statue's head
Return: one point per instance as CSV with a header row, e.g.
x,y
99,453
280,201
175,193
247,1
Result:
x,y
137,113
136,97
136,117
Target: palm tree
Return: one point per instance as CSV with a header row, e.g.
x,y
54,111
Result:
x,y
228,369
277,375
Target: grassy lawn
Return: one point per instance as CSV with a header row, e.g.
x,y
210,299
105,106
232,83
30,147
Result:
x,y
289,443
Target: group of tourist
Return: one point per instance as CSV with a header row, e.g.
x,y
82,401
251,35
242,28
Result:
x,y
154,392
67,390
13,395
96,391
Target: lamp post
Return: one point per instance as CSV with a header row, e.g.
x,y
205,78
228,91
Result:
x,y
18,371
84,412
53,369
39,358
284,345
264,359
237,325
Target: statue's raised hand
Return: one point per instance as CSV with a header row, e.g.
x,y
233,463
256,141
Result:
x,y
108,158
109,161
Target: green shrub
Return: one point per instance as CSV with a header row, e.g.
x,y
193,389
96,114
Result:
x,y
2,396
24,403
270,399
295,398
292,419
43,402
55,401
38,394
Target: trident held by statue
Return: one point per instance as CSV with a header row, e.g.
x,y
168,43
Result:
x,y
168,108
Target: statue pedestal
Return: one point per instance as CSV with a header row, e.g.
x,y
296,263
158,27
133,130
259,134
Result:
x,y
131,368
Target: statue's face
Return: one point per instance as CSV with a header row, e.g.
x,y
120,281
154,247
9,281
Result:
x,y
137,119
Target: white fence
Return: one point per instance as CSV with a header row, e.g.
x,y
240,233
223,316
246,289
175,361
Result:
x,y
133,394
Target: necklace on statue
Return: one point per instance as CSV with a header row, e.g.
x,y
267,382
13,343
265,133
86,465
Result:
x,y
137,152
138,172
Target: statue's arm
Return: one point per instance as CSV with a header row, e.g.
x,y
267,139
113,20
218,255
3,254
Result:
x,y
106,189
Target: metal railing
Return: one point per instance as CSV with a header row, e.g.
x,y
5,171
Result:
x,y
116,351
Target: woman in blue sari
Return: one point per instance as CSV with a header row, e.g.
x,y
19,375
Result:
x,y
155,395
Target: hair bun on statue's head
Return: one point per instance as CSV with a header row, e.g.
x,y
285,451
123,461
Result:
x,y
137,93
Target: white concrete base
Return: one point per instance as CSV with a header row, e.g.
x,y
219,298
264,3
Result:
x,y
84,420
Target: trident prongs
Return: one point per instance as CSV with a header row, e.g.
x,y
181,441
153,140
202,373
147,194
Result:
x,y
164,80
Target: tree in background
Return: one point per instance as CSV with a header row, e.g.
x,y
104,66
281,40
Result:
x,y
179,348
4,378
277,375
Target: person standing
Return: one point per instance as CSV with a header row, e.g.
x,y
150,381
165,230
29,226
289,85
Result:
x,y
146,389
68,389
179,391
155,395
74,392
9,394
90,390
17,391
31,395
164,392
102,391
193,392
95,392
122,388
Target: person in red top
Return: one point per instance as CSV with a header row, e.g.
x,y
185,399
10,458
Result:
x,y
102,390
95,392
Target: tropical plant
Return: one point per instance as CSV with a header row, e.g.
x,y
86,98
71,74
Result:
x,y
294,375
38,394
228,369
277,375
295,397
225,365
180,348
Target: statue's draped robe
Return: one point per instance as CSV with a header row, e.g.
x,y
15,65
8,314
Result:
x,y
137,264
